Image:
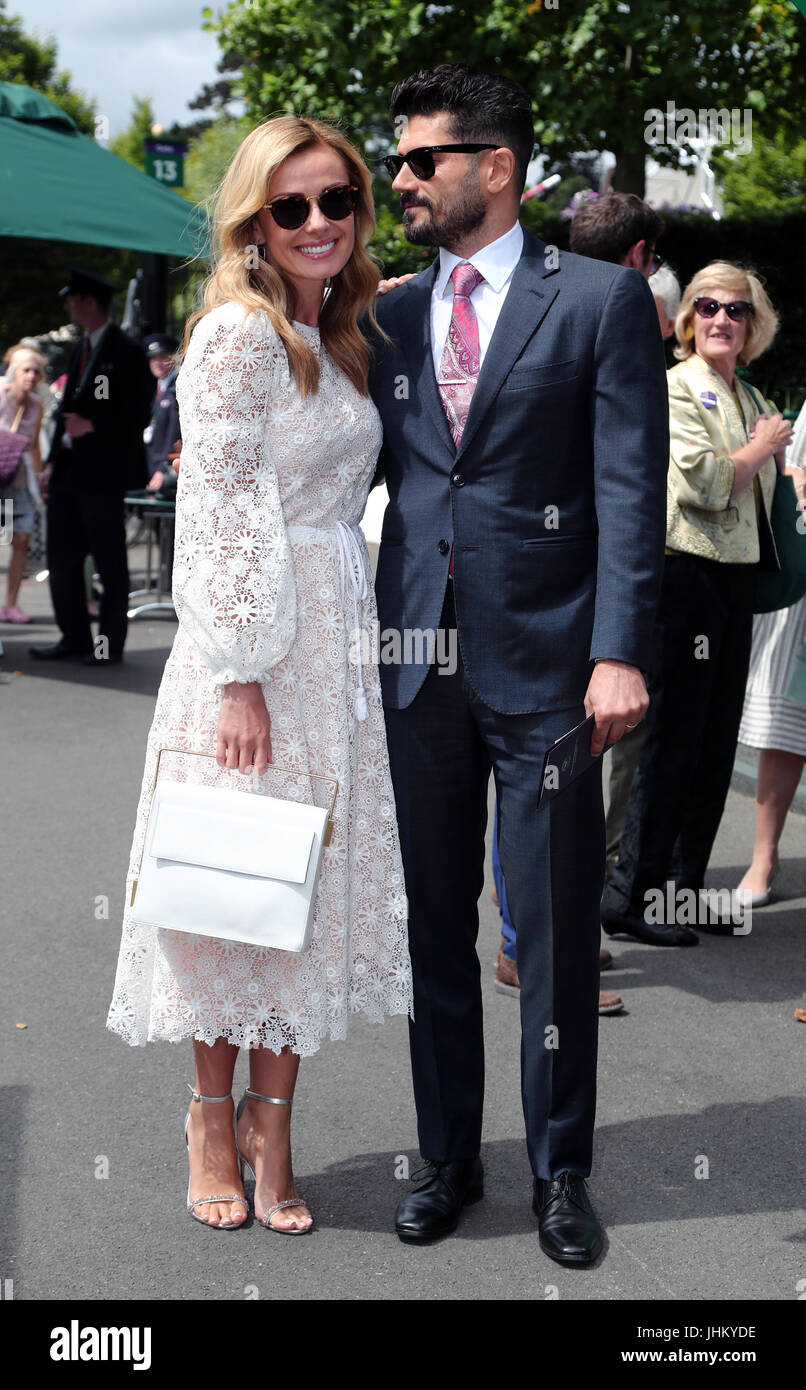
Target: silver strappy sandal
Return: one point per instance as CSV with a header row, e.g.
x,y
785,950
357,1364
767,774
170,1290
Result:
x,y
244,1162
219,1196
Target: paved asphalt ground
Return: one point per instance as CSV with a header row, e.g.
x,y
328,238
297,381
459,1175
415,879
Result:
x,y
704,1073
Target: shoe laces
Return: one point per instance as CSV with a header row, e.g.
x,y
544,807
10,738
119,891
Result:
x,y
431,1168
563,1189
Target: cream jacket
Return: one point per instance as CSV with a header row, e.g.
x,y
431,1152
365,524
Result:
x,y
705,429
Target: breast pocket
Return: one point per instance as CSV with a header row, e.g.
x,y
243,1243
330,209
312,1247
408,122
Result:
x,y
546,374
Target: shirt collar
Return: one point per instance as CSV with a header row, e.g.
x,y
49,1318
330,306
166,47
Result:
x,y
495,262
95,335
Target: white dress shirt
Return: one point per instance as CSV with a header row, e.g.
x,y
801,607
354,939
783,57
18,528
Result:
x,y
496,262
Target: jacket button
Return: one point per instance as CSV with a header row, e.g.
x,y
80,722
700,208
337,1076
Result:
x,y
443,547
457,479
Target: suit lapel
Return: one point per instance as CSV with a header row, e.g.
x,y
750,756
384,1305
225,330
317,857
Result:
x,y
413,330
528,301
104,345
72,382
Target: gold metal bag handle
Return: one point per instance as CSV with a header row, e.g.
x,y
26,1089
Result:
x,y
276,767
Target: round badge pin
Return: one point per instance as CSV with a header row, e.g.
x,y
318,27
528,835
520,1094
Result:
x,y
708,399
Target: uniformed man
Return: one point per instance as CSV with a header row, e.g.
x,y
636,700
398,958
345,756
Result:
x,y
163,436
97,454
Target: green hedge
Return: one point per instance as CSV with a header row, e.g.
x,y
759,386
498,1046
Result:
x,y
772,246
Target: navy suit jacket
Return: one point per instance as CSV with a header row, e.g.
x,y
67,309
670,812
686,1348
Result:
x,y
167,430
555,503
116,396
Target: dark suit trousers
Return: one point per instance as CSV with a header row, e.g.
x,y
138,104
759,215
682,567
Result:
x,y
81,524
442,748
696,695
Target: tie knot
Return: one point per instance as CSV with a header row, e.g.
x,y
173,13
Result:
x,y
465,278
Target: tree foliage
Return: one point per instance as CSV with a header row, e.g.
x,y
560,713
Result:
x,y
593,67
129,145
208,157
33,62
770,179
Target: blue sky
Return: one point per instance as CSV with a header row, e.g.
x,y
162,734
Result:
x,y
118,49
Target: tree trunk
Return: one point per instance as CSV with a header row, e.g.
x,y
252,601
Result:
x,y
629,173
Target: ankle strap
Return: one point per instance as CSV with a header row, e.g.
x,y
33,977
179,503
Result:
x,y
272,1100
211,1100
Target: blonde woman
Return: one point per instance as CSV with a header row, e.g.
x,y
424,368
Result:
x,y
270,580
21,409
725,447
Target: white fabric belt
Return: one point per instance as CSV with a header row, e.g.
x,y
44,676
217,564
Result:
x,y
353,574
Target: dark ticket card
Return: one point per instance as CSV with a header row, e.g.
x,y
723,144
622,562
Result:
x,y
567,759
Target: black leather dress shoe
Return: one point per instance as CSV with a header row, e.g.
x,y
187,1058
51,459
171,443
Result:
x,y
57,651
569,1227
433,1208
652,933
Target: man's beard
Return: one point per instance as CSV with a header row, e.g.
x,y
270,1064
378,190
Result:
x,y
450,227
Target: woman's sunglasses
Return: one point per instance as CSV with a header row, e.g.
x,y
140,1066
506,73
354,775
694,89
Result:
x,y
292,210
738,309
421,161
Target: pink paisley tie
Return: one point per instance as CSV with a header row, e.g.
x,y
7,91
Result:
x,y
459,367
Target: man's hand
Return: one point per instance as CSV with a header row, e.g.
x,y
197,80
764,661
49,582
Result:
x,y
155,481
392,283
617,696
76,425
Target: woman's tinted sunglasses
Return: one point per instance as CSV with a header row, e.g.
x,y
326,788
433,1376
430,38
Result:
x,y
421,161
292,210
738,309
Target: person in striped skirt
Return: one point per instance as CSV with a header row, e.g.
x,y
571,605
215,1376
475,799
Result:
x,y
774,714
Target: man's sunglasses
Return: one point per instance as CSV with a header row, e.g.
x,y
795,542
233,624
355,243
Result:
x,y
292,210
421,162
738,309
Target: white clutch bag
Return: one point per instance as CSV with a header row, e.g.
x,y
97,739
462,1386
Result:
x,y
225,863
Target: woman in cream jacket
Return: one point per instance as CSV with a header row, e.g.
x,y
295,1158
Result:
x,y
725,443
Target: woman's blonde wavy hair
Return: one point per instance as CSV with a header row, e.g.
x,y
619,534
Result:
x,y
762,324
239,275
19,354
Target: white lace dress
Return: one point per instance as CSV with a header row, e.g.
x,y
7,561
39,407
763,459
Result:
x,y
267,585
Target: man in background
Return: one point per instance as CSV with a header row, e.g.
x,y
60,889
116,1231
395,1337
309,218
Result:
x,y
97,455
162,436
623,229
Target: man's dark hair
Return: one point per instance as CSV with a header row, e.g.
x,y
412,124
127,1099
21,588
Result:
x,y
605,228
481,108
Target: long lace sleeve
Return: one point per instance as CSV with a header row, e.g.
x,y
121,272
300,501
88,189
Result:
x,y
233,577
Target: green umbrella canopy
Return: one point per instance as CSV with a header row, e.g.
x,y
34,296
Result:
x,y
59,185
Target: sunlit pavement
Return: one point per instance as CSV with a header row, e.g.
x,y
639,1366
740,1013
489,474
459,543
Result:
x,y
698,1165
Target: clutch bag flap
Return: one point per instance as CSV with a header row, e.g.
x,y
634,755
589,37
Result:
x,y
243,844
230,864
